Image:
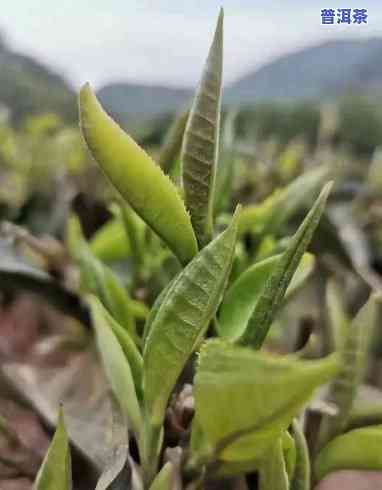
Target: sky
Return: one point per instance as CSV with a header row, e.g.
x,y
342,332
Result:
x,y
166,41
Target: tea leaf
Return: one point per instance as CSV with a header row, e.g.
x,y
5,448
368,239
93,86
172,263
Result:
x,y
353,358
273,474
118,301
173,143
277,284
134,228
268,216
365,415
289,452
225,171
136,176
338,322
163,480
110,242
359,449
242,297
116,366
98,279
242,467
264,393
301,477
183,318
128,346
56,470
155,308
200,144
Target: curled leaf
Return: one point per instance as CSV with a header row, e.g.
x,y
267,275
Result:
x,y
200,144
278,282
136,176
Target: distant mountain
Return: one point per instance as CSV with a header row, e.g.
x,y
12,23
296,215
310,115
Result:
x,y
323,71
28,87
128,99
328,70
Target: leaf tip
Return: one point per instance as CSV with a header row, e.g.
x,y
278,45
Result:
x,y
221,17
218,36
327,189
85,93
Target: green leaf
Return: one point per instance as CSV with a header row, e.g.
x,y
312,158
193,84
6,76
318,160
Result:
x,y
164,479
273,474
200,144
301,476
277,284
289,451
155,308
117,300
262,391
242,297
268,216
127,344
353,359
257,218
338,321
99,279
370,414
183,318
173,143
116,366
56,470
136,176
135,228
359,449
110,243
225,172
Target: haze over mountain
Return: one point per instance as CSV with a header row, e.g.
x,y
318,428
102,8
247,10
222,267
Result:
x,y
316,73
320,72
28,87
142,100
327,70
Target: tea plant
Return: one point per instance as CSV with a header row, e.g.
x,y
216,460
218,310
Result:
x,y
201,402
